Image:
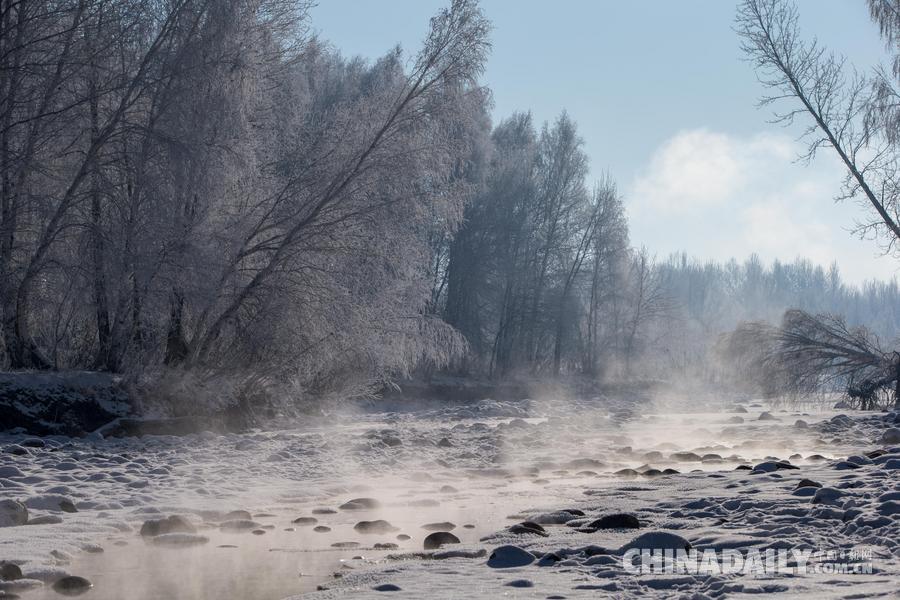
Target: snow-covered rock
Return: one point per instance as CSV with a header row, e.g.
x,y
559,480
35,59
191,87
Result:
x,y
12,513
507,557
657,539
615,521
891,436
437,539
827,495
172,524
52,502
72,585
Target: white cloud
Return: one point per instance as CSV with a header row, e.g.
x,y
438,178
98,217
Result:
x,y
698,169
716,195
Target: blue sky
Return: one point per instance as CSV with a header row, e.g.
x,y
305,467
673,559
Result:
x,y
666,105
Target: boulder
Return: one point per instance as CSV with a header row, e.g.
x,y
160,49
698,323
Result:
x,y
10,571
773,465
559,517
385,546
615,521
889,508
657,539
808,483
507,557
685,457
528,528
12,513
239,525
437,539
238,514
845,466
443,526
891,436
7,471
360,504
52,502
171,524
45,520
72,585
377,526
827,495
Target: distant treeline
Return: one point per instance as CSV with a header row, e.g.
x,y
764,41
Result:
x,y
714,298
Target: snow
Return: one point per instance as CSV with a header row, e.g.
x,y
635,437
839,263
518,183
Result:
x,y
479,468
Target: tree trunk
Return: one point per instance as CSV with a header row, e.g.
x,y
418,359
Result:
x,y
897,383
177,349
104,359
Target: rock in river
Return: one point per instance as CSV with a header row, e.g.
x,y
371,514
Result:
x,y
379,526
72,585
506,557
12,512
239,525
236,515
615,521
891,436
360,504
528,528
827,495
172,524
445,526
10,571
438,539
808,483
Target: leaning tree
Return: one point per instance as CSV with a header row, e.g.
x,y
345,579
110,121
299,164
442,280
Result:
x,y
810,352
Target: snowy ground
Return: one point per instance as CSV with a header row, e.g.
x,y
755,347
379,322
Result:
x,y
475,471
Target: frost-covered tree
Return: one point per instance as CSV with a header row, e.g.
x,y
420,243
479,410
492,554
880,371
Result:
x,y
205,185
850,112
537,261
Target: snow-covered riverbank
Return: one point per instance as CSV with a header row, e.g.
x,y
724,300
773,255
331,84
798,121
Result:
x,y
486,466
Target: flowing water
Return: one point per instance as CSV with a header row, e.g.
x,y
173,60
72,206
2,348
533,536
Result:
x,y
496,467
